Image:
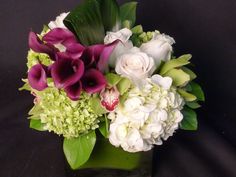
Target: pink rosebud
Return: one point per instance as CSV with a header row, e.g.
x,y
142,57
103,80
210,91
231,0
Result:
x,y
110,98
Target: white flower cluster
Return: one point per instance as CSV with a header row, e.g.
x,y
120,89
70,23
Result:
x,y
147,116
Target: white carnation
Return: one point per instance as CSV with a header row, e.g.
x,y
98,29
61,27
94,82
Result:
x,y
147,117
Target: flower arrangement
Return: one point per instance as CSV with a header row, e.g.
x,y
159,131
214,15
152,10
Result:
x,y
95,75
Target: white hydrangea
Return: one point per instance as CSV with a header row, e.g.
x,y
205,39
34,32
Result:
x,y
148,116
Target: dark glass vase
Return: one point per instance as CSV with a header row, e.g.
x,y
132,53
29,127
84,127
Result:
x,y
109,161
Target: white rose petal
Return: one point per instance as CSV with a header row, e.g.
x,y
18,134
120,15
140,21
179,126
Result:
x,y
135,65
159,48
58,23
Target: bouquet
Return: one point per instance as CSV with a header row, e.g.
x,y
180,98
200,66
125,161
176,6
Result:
x,y
109,88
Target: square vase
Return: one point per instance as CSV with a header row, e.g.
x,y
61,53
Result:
x,y
109,161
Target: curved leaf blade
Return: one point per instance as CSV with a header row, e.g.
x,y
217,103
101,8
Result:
x,y
128,12
190,120
78,150
86,22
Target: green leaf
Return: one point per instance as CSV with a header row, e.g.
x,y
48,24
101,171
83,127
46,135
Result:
x,y
78,150
190,119
95,104
113,79
110,12
190,73
37,125
108,156
124,85
86,22
193,105
104,128
128,12
197,91
180,78
187,96
175,63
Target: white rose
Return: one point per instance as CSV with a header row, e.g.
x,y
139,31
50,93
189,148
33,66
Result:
x,y
135,65
123,46
159,48
58,23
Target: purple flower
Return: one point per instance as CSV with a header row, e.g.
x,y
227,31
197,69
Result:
x,y
56,40
74,91
97,56
66,71
37,77
93,81
38,46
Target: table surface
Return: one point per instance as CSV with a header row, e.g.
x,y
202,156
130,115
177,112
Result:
x,y
203,28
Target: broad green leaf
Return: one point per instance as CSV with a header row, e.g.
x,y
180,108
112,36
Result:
x,y
197,91
123,98
110,12
37,125
124,85
190,73
189,121
113,79
175,63
108,156
78,150
86,22
187,96
180,78
104,128
128,12
193,105
95,104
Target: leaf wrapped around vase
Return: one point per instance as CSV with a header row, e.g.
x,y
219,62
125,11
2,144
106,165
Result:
x,y
110,89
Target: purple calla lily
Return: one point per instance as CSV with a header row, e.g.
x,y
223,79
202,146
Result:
x,y
37,77
93,81
59,36
74,91
38,46
66,71
102,64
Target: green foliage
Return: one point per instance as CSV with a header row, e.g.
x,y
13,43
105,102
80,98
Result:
x,y
86,22
37,125
110,12
95,104
26,86
123,85
197,91
193,105
78,150
104,127
137,29
190,120
175,63
128,12
106,155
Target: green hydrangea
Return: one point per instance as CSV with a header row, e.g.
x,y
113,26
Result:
x,y
34,58
63,116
